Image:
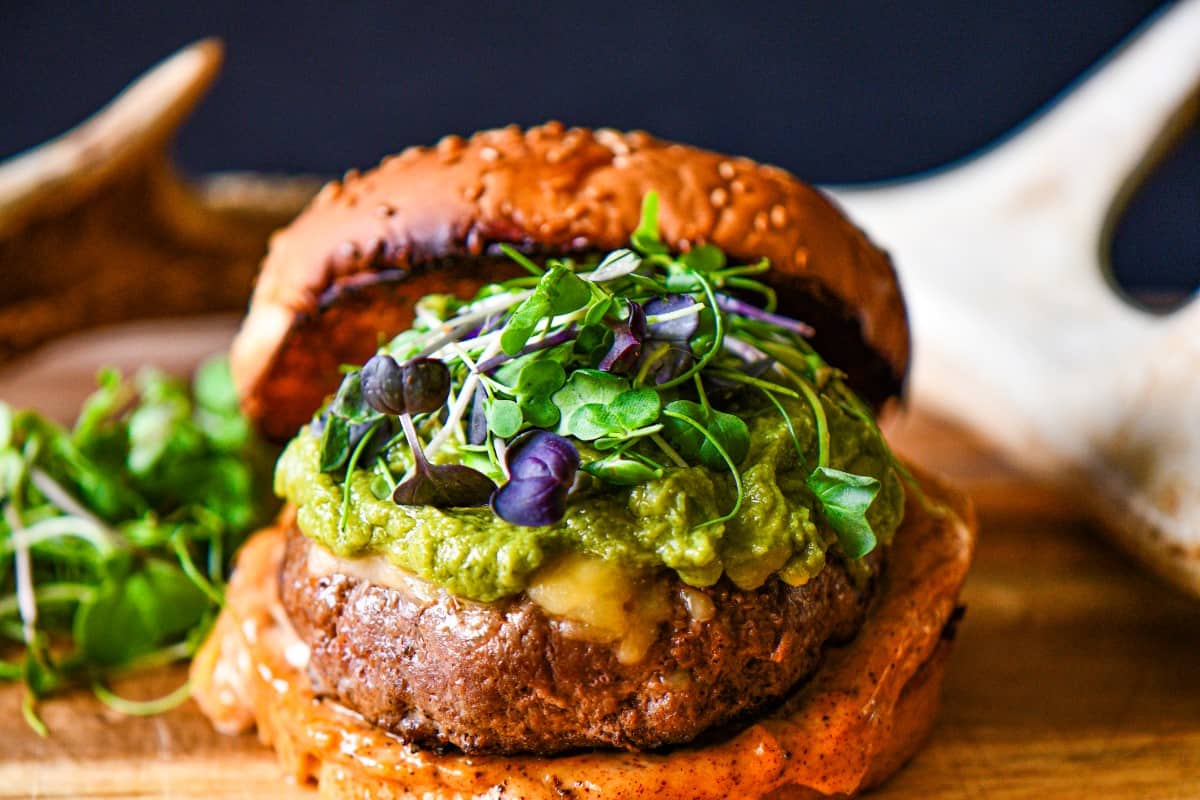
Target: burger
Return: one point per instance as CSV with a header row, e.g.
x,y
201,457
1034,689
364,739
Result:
x,y
585,493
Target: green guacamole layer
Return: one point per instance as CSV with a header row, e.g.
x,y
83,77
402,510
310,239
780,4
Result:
x,y
659,524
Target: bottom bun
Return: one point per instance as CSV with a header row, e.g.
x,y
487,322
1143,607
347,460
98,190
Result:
x,y
857,720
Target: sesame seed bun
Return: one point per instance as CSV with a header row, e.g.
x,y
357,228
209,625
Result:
x,y
430,219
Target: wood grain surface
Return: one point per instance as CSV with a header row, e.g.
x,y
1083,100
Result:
x,y
1075,674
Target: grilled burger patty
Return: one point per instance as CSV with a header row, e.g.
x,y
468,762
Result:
x,y
505,677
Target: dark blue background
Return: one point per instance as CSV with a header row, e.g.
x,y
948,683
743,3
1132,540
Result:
x,y
835,92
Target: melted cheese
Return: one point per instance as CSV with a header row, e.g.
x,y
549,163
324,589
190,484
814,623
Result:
x,y
591,600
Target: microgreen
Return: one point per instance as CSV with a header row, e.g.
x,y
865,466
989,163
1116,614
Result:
x,y
628,366
123,528
645,238
559,291
440,485
542,466
622,470
845,498
720,450
703,434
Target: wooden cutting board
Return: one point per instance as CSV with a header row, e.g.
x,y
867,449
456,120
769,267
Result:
x,y
1075,675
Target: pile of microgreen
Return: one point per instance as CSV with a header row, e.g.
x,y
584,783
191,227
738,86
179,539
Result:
x,y
116,536
633,354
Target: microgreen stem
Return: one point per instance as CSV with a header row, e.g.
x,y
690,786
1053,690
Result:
x,y
351,465
700,392
56,527
772,299
157,658
49,594
386,472
414,443
733,470
757,268
189,569
743,349
26,599
735,306
718,335
787,420
818,409
670,451
750,380
654,319
29,712
60,497
460,406
523,260
142,708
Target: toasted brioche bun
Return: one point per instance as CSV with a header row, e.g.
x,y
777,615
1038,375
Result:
x,y
429,220
857,720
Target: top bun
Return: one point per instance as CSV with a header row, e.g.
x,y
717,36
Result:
x,y
346,272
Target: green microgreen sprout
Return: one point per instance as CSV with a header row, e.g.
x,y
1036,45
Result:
x,y
636,361
115,535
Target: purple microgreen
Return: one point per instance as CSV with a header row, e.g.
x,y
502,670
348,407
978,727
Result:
x,y
426,384
542,466
628,335
663,362
771,300
718,336
439,485
530,502
382,381
675,317
744,350
553,340
744,309
540,453
477,422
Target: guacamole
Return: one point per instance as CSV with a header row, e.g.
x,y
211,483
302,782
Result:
x,y
657,524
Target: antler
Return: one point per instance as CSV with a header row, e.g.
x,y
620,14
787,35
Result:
x,y
96,226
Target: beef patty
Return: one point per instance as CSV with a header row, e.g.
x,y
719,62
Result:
x,y
504,677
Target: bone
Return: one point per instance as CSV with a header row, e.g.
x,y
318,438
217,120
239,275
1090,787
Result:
x,y
1017,332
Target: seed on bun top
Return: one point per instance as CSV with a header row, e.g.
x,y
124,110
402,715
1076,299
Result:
x,y
431,220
